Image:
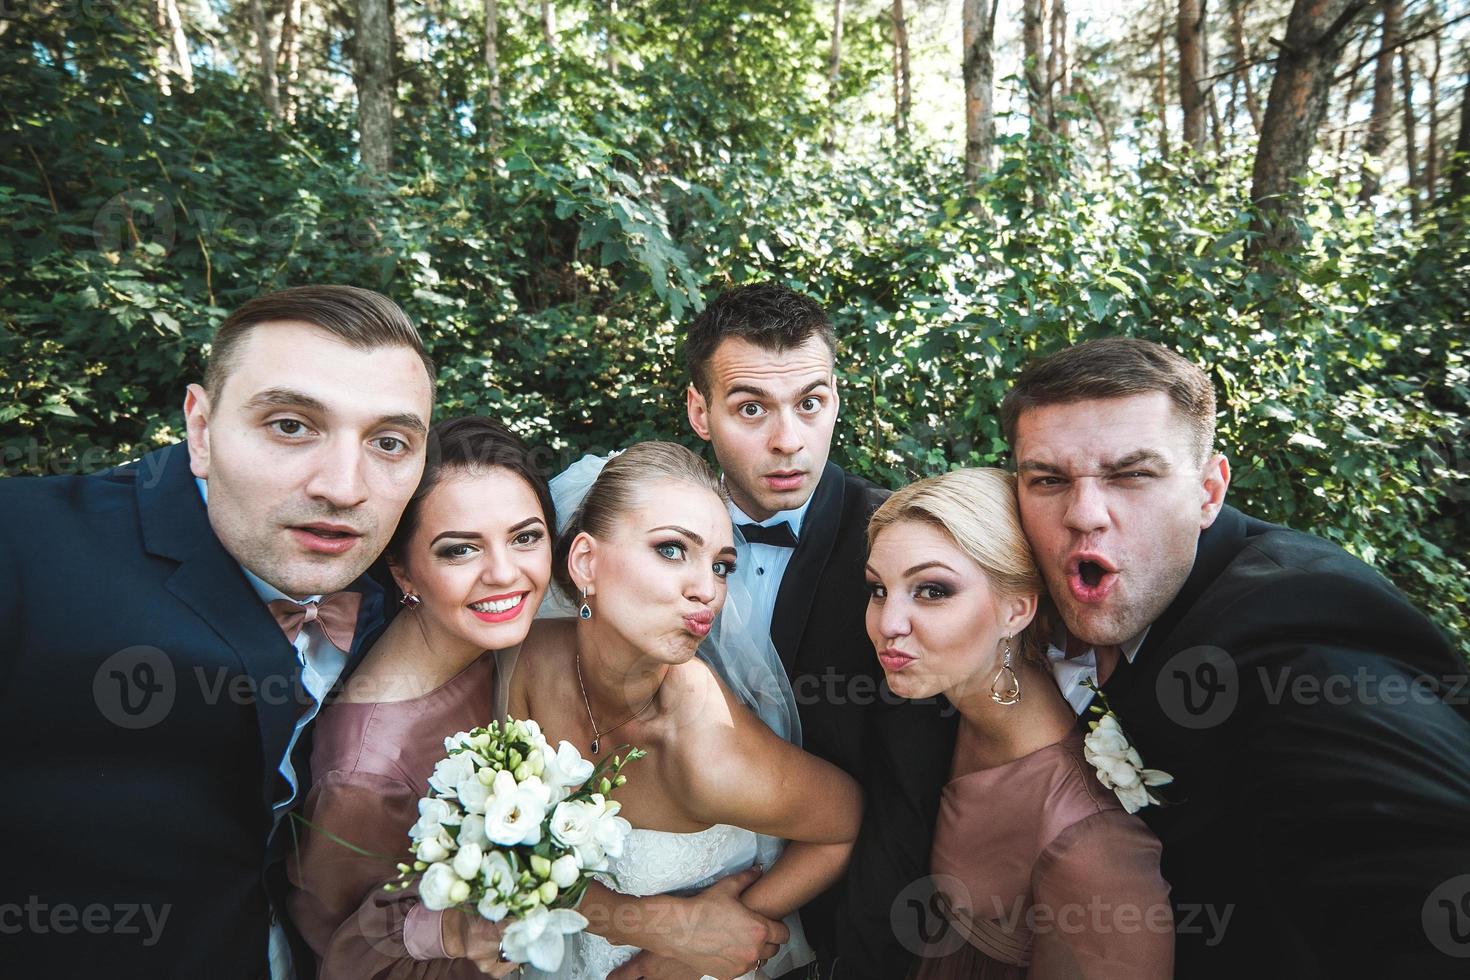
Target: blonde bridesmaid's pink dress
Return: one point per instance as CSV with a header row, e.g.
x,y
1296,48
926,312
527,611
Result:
x,y
1041,874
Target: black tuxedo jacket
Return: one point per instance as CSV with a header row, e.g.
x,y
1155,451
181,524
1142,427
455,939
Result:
x,y
146,699
1317,729
818,630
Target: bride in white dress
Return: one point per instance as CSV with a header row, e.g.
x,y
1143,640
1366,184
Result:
x,y
646,560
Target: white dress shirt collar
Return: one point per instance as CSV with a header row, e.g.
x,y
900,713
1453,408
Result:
x,y
794,517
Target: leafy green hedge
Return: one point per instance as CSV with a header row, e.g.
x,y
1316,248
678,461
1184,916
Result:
x,y
552,281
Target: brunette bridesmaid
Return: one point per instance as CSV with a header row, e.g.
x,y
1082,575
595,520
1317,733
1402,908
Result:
x,y
472,559
1039,871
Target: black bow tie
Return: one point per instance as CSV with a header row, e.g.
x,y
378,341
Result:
x,y
779,535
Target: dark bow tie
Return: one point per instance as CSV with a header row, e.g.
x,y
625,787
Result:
x,y
779,535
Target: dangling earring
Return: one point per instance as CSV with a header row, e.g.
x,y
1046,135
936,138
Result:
x,y
1010,693
586,611
410,601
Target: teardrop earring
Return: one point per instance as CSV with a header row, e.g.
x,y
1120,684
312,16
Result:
x,y
586,610
1010,692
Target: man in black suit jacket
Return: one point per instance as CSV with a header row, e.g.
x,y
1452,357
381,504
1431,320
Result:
x,y
1314,722
153,713
763,392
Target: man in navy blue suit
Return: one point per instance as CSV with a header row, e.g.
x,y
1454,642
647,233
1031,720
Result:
x,y
168,630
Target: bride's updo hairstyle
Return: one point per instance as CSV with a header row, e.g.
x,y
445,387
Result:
x,y
622,486
976,507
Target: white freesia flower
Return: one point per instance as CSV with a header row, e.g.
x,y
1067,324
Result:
x,y
435,848
611,830
450,772
437,887
467,862
473,794
538,937
472,831
1119,766
459,740
492,907
515,811
433,814
565,770
574,822
498,875
564,871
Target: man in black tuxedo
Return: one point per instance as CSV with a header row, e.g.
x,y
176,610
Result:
x,y
1314,722
763,392
169,629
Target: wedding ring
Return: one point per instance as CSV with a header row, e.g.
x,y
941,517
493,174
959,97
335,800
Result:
x,y
500,952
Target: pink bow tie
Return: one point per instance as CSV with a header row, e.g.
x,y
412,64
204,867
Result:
x,y
336,614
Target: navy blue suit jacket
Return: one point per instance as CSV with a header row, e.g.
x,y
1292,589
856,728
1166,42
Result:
x,y
146,700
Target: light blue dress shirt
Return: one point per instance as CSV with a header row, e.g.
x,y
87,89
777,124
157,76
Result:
x,y
762,566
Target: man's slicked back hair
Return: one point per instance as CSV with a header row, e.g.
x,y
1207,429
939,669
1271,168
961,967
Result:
x,y
361,318
1115,367
767,314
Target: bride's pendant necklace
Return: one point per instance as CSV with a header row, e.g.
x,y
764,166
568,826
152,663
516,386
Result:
x,y
597,735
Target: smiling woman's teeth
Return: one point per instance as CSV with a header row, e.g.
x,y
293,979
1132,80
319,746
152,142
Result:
x,y
497,606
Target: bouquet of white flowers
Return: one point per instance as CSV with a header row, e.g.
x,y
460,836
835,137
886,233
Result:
x,y
514,828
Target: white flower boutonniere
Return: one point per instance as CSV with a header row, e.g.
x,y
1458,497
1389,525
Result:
x,y
1118,764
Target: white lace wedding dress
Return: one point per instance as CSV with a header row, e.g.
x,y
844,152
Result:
x,y
656,862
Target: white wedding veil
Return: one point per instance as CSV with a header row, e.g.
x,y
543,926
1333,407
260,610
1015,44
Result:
x,y
743,656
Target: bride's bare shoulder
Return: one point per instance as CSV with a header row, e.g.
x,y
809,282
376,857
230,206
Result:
x,y
708,729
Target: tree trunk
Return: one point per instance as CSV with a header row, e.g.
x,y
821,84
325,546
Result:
x,y
978,31
1431,154
374,55
1457,172
173,46
903,92
162,56
1191,70
1035,54
1411,136
1161,89
1059,80
1350,99
834,74
1207,84
180,44
288,57
612,51
492,57
1243,60
548,24
267,58
1377,139
1294,111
